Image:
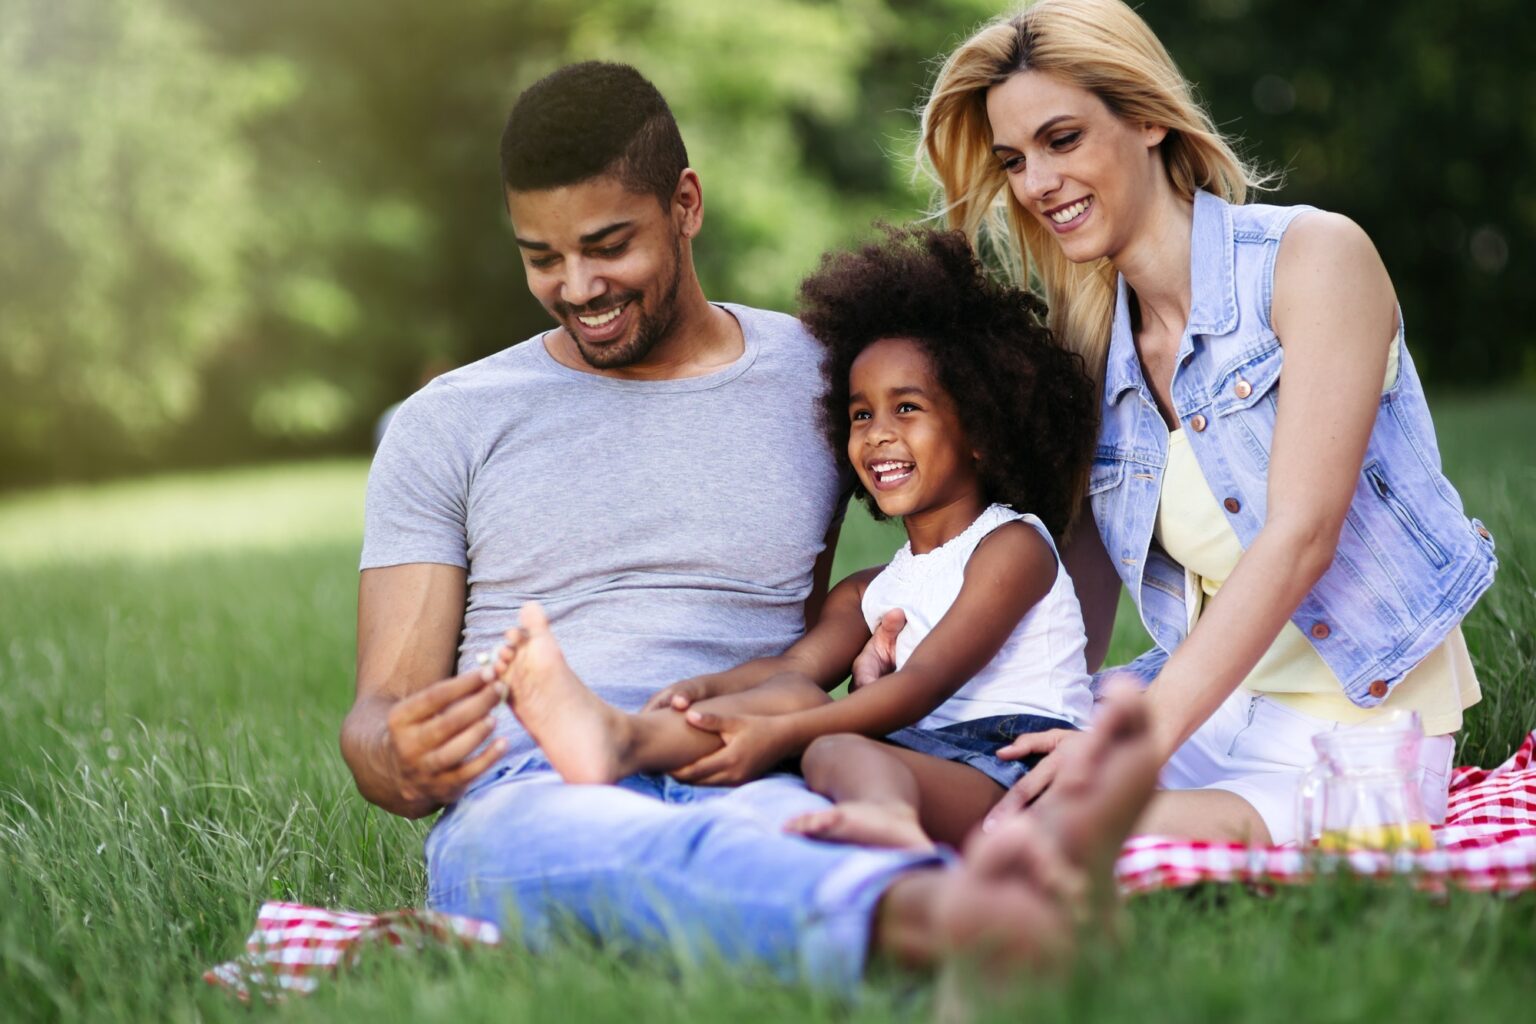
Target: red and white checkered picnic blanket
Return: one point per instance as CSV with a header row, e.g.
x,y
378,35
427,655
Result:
x,y
294,946
1488,844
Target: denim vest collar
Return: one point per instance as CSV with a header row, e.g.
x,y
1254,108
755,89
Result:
x,y
1213,296
1408,566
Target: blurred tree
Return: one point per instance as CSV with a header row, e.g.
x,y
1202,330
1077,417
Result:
x,y
125,190
240,230
1418,120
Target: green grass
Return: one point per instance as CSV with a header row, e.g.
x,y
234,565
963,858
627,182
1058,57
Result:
x,y
176,657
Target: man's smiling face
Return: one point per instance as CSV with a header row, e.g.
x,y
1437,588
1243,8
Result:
x,y
605,262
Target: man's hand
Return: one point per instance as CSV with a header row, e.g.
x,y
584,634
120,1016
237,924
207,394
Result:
x,y
434,732
754,744
1039,778
878,658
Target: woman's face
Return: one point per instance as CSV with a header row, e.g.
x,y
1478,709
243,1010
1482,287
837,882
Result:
x,y
1083,172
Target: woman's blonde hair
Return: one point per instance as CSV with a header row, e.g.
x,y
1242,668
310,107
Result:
x,y
1099,45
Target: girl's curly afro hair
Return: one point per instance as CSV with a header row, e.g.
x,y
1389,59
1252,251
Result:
x,y
1026,404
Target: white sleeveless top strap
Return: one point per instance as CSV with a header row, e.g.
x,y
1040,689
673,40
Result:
x,y
1041,668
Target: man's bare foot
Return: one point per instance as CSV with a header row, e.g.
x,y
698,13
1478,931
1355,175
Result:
x,y
865,823
1031,881
585,738
1015,902
1104,784
1013,909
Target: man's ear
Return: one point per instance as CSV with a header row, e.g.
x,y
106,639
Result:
x,y
688,203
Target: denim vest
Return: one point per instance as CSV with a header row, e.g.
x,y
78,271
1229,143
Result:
x,y
1409,565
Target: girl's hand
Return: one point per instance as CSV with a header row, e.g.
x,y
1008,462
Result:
x,y
878,658
682,695
1039,778
754,744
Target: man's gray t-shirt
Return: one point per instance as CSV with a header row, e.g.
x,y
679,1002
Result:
x,y
669,527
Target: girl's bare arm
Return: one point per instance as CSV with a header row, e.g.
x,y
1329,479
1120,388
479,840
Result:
x,y
1010,571
823,654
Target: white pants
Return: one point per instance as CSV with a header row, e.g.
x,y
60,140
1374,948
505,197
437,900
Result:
x,y
1259,749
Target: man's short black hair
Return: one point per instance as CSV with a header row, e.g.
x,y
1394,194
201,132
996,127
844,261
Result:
x,y
589,120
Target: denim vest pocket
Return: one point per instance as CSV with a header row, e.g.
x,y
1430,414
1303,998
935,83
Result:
x,y
1105,474
1376,476
1248,381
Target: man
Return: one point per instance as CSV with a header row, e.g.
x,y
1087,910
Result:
x,y
653,472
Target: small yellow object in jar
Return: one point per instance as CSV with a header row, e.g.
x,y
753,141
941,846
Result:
x,y
1415,835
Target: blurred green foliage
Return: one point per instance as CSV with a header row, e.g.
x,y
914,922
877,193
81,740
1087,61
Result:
x,y
236,231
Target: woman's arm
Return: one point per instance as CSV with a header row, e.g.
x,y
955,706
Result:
x,y
1334,311
1010,571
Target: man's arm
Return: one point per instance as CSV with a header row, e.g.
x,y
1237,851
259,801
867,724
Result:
x,y
413,724
821,574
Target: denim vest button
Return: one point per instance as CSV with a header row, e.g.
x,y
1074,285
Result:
x,y
1197,422
1482,531
1320,630
1232,505
1242,389
1378,688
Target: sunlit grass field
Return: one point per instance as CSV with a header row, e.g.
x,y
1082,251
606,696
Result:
x,y
176,656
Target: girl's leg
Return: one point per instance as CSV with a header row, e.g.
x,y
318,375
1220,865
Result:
x,y
890,796
588,740
663,741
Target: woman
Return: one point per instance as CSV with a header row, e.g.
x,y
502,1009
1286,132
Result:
x,y
1267,483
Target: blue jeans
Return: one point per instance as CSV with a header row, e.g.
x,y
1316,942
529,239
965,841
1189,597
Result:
x,y
977,742
699,870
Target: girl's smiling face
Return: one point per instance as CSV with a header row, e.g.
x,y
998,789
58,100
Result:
x,y
1081,170
905,439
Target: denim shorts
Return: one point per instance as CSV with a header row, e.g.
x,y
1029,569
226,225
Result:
x,y
976,743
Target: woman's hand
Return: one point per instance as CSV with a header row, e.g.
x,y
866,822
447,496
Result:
x,y
754,744
1038,779
878,658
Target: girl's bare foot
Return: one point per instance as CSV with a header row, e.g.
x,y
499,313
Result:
x,y
866,823
586,739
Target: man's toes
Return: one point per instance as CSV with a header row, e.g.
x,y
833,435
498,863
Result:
x,y
1123,712
812,823
1009,849
532,618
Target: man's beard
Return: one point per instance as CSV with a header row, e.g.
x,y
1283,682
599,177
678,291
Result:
x,y
649,329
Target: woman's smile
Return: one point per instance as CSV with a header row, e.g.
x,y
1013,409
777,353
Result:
x,y
1069,216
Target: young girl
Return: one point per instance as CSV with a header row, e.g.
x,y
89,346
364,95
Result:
x,y
957,412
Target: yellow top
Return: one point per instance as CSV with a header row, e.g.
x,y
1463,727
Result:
x,y
1191,528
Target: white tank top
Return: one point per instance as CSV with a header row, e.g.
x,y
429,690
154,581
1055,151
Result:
x,y
1041,668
